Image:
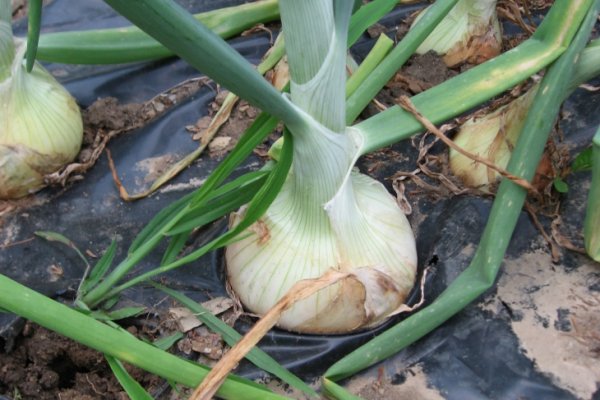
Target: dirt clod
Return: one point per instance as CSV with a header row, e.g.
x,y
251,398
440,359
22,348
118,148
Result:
x,y
49,366
108,114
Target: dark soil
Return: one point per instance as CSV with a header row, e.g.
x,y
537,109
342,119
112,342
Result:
x,y
45,365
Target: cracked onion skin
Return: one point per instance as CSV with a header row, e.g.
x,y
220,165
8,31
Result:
x,y
362,232
41,128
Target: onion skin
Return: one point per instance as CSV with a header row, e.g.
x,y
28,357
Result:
x,y
470,33
483,44
492,136
277,252
41,129
22,170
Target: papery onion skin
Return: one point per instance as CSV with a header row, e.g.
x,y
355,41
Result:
x,y
491,136
41,129
470,33
279,251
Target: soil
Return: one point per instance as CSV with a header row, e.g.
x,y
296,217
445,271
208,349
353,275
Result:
x,y
411,383
556,316
45,365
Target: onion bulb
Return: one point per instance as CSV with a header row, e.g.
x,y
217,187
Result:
x,y
470,33
40,127
327,215
314,225
491,136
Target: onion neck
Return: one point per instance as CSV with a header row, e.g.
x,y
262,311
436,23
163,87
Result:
x,y
322,161
324,152
318,71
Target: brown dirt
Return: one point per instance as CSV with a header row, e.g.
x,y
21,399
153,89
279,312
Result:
x,y
230,132
48,366
413,386
420,73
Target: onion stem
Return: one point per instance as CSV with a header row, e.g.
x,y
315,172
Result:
x,y
480,83
131,44
382,47
33,31
591,229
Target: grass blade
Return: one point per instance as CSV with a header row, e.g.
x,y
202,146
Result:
x,y
256,208
257,132
116,315
162,223
166,342
219,206
157,223
100,269
176,244
134,390
57,237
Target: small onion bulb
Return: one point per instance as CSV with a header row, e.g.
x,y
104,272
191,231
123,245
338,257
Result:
x,y
492,136
41,128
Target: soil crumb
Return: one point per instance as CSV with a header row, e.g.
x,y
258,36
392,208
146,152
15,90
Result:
x,y
48,366
422,72
107,113
409,384
556,316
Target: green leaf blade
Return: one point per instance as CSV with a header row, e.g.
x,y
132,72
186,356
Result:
x,y
583,161
100,269
130,44
134,390
33,32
